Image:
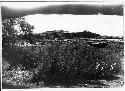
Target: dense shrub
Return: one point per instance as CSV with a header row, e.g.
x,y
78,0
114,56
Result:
x,y
81,59
67,61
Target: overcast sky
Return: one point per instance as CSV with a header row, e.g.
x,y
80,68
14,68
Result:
x,y
102,24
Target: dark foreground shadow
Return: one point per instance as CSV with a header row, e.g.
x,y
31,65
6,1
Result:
x,y
55,82
8,86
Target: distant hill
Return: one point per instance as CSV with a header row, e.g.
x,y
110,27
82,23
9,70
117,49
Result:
x,y
75,9
60,34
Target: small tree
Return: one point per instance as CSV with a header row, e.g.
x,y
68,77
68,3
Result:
x,y
10,34
26,30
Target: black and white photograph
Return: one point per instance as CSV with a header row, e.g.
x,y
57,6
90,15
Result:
x,y
61,44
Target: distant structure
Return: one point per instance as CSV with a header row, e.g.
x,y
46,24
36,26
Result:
x,y
57,31
100,13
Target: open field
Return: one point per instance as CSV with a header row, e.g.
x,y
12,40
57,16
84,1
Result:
x,y
64,64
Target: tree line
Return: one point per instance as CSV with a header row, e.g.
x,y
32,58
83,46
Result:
x,y
61,34
11,35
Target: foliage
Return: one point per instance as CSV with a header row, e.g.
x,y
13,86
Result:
x,y
66,62
26,30
8,31
60,34
10,35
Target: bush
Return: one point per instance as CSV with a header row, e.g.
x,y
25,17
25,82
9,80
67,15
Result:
x,y
83,60
67,62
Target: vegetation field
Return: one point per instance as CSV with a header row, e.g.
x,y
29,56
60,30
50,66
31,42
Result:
x,y
63,64
59,58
